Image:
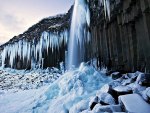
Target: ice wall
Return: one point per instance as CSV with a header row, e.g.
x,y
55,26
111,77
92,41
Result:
x,y
33,52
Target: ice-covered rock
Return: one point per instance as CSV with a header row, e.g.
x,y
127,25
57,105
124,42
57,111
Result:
x,y
115,83
127,81
71,92
108,89
93,102
109,108
25,80
133,103
146,94
143,79
136,87
123,90
116,75
105,98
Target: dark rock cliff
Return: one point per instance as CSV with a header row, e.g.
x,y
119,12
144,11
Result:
x,y
120,43
54,25
123,42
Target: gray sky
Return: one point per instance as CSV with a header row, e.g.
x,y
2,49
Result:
x,y
16,16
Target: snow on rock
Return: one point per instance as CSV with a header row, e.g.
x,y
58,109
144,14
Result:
x,y
133,103
93,102
136,87
146,94
127,81
140,78
122,90
71,92
116,75
105,98
32,79
109,108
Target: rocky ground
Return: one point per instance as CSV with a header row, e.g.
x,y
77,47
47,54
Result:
x,y
25,80
127,93
84,90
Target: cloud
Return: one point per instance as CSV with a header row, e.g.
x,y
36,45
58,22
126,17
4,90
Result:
x,y
10,25
16,16
10,22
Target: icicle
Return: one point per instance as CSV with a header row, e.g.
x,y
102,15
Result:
x,y
106,4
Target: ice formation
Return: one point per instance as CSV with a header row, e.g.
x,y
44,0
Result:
x,y
106,4
28,51
79,34
65,95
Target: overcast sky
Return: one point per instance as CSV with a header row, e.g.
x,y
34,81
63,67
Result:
x,y
16,16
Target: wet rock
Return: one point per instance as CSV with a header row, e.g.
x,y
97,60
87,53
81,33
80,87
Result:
x,y
109,108
133,103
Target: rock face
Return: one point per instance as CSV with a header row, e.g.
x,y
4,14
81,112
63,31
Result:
x,y
123,42
44,44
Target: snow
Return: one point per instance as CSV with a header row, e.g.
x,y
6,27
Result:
x,y
108,109
21,79
134,104
123,89
106,98
146,94
71,92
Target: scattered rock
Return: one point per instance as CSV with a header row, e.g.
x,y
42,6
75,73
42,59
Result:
x,y
133,76
115,83
109,108
93,102
133,103
105,98
127,81
137,88
123,90
116,75
108,89
146,81
146,95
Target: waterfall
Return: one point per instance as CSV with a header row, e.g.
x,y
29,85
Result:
x,y
79,33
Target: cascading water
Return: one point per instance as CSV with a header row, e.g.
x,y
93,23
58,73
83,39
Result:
x,y
79,33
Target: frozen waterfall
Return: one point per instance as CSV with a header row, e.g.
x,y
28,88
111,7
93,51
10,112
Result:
x,y
31,52
79,33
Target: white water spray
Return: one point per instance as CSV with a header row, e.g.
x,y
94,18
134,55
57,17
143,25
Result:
x,y
79,34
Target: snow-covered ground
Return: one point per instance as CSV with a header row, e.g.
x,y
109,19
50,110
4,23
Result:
x,y
69,92
23,79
